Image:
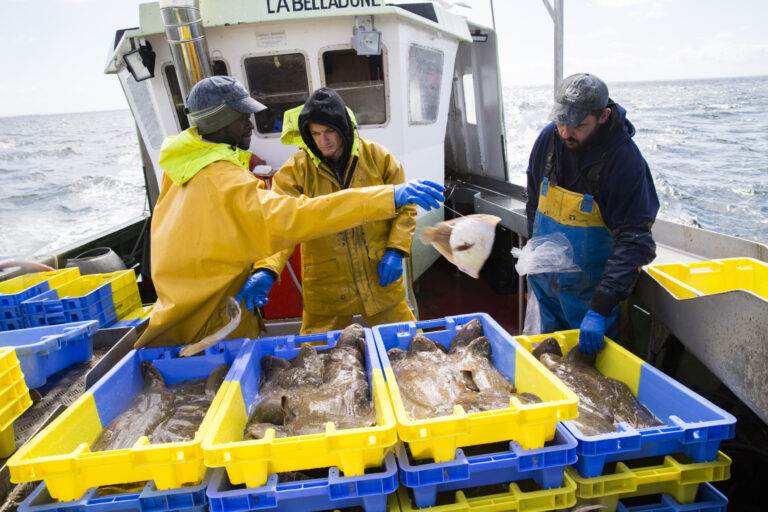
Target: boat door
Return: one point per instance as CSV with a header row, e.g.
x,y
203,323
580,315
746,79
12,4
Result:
x,y
474,141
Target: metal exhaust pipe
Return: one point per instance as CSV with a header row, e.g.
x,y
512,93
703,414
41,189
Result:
x,y
186,38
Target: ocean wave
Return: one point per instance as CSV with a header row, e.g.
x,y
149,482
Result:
x,y
38,153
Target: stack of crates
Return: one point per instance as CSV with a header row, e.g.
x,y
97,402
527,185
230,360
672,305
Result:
x,y
352,467
18,289
101,297
672,463
506,459
174,473
14,398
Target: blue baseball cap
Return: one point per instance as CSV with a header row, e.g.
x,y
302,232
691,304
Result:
x,y
577,96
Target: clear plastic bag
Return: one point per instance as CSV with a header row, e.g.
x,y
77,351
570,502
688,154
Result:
x,y
532,325
547,253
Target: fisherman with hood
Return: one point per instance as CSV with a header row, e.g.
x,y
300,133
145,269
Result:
x,y
214,218
353,271
588,181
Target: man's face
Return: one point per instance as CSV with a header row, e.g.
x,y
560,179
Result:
x,y
574,137
328,140
238,132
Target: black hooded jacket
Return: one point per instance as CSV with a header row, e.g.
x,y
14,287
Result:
x,y
326,107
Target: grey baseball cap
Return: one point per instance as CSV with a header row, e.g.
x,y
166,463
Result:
x,y
216,101
578,95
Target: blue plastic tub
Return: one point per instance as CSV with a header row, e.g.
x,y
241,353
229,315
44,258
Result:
x,y
43,351
48,309
708,499
532,424
693,425
149,499
369,491
545,465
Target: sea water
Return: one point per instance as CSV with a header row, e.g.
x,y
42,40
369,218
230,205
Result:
x,y
66,177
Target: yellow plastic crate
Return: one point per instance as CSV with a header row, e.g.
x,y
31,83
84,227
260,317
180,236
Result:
x,y
60,453
54,279
674,477
687,280
531,425
252,461
515,500
14,398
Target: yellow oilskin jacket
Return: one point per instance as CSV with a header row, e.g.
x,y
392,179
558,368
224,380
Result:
x,y
342,267
213,220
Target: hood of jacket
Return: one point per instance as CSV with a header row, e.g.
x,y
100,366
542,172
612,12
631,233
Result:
x,y
324,107
184,155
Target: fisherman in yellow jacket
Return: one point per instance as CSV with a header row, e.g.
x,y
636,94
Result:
x,y
214,219
353,271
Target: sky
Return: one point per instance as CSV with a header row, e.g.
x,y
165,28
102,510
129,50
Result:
x,y
54,51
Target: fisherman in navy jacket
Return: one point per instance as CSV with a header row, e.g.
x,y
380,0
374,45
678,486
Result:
x,y
588,180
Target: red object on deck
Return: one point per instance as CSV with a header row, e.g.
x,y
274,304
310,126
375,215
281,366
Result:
x,y
284,297
443,290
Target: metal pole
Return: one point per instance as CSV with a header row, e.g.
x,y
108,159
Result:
x,y
493,17
556,14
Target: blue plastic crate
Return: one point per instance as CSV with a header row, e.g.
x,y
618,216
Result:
x,y
545,465
48,309
693,425
369,491
531,424
12,323
60,453
149,499
708,499
43,351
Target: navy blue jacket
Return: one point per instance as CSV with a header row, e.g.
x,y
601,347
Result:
x,y
627,200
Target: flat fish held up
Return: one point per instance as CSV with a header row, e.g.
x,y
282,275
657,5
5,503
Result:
x,y
300,396
433,380
603,402
464,241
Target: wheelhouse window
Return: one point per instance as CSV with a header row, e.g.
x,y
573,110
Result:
x,y
359,80
219,68
425,73
280,82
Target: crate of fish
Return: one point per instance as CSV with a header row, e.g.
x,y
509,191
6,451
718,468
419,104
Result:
x,y
305,491
142,497
708,499
14,398
688,280
18,289
43,351
101,297
518,496
627,408
144,420
480,465
302,402
462,381
674,475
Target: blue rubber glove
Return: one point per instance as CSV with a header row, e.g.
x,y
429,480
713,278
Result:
x,y
592,331
255,289
426,194
390,267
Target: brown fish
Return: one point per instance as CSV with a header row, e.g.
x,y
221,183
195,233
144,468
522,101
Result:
x,y
302,395
432,382
147,409
603,402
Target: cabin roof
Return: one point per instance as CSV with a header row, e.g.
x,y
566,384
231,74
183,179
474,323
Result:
x,y
239,12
